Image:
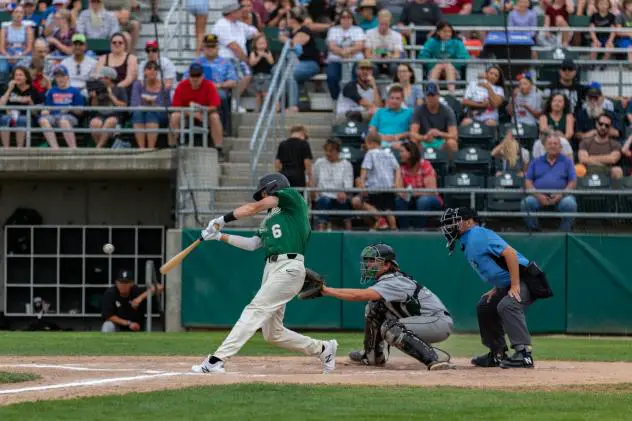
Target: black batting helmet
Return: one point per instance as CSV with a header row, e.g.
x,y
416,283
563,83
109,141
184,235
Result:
x,y
271,183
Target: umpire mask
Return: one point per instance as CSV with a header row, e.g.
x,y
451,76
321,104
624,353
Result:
x,y
374,257
451,223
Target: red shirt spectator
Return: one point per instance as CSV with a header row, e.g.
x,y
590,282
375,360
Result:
x,y
415,176
206,95
455,7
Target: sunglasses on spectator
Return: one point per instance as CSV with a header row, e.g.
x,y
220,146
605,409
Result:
x,y
78,43
117,43
602,124
195,75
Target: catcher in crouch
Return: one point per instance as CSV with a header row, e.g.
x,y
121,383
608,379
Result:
x,y
400,312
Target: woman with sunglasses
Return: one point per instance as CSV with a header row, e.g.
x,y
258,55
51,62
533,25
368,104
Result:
x,y
124,63
167,68
345,41
149,92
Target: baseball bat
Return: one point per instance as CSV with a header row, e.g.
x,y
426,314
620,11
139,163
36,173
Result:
x,y
178,258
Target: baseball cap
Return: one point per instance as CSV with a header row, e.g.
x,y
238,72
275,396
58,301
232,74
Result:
x,y
60,70
151,44
568,64
431,89
125,275
107,72
367,3
594,89
210,39
59,1
230,8
196,69
79,38
364,64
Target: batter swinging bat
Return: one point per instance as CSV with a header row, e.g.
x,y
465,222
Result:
x,y
178,258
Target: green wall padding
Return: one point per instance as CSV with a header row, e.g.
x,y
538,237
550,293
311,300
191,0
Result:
x,y
599,284
218,281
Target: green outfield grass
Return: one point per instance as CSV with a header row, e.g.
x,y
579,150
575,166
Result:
x,y
202,343
304,403
6,377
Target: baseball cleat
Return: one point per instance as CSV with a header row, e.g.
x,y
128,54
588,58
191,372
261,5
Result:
x,y
520,359
206,367
441,365
491,359
328,356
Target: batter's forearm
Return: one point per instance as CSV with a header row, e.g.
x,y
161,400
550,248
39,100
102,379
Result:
x,y
244,243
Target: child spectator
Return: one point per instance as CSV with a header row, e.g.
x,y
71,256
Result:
x,y
261,62
522,16
444,45
512,157
556,15
294,158
624,20
379,170
602,19
527,101
368,15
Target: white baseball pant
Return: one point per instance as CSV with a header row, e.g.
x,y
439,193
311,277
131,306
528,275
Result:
x,y
282,280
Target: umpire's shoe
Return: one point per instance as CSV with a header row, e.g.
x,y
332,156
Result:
x,y
520,359
491,359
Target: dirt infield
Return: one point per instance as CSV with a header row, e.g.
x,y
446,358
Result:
x,y
72,377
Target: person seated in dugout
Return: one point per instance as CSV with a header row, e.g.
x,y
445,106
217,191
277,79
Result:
x,y
123,304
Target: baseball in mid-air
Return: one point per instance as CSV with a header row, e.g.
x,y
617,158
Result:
x,y
108,248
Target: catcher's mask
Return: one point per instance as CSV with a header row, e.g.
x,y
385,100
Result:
x,y
271,183
451,224
374,257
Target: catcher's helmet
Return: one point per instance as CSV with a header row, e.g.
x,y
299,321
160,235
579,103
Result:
x,y
373,259
271,183
450,221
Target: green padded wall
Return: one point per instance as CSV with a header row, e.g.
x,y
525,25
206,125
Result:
x,y
599,284
218,281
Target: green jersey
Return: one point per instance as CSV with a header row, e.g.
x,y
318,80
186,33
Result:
x,y
286,228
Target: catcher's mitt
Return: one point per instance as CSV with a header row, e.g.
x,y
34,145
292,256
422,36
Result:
x,y
313,285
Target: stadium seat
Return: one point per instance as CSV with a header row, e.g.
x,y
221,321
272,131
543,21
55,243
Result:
x,y
476,135
625,201
595,203
353,154
505,202
473,160
272,34
439,160
525,134
350,132
99,45
453,103
464,180
475,20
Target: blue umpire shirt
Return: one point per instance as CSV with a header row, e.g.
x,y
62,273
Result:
x,y
482,248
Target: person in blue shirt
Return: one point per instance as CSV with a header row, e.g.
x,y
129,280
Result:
x,y
217,69
393,121
516,281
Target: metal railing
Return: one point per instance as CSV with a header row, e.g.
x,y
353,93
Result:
x,y
175,12
183,130
473,194
269,117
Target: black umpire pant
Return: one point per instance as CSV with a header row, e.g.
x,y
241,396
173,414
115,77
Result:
x,y
504,314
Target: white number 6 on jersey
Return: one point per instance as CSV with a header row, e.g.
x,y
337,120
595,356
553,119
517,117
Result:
x,y
276,231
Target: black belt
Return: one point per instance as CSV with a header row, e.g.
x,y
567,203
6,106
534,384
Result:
x,y
275,257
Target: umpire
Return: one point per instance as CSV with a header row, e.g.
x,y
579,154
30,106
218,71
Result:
x,y
517,284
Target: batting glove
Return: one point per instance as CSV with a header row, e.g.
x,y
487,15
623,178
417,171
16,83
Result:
x,y
209,235
216,224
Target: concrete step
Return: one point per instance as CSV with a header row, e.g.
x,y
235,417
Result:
x,y
313,130
269,156
225,180
231,170
311,118
226,196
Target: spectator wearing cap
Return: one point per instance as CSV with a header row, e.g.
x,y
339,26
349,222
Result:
x,y
96,22
125,64
433,124
384,43
444,46
196,90
552,171
232,36
393,121
526,102
601,153
368,15
335,175
16,41
107,94
80,67
359,98
594,106
345,41
415,173
199,10
304,46
217,69
123,304
568,85
419,13
166,68
149,92
60,42
60,96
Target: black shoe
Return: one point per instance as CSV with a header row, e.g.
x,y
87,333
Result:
x,y
491,359
155,19
520,359
361,357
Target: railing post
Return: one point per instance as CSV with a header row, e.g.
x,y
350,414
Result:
x,y
206,128
472,200
28,128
